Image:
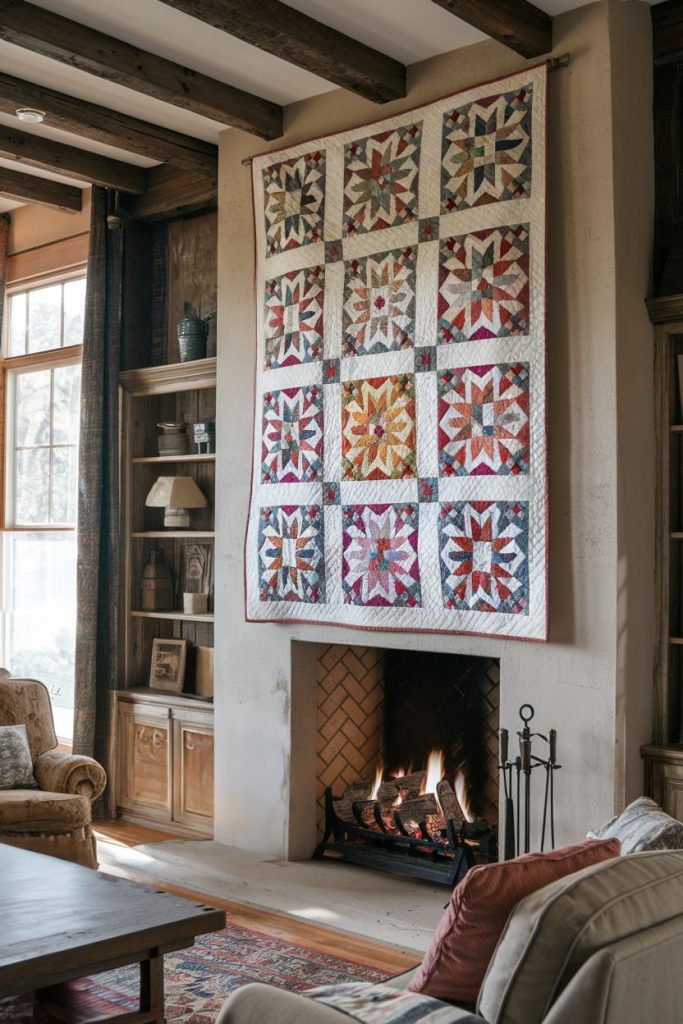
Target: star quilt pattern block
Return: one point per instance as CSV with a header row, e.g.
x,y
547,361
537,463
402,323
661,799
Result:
x,y
399,472
483,414
292,435
294,328
486,150
381,176
379,302
484,285
291,557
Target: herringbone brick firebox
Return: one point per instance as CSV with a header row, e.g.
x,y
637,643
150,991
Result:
x,y
351,718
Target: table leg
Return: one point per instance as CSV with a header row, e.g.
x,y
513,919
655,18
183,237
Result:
x,y
152,987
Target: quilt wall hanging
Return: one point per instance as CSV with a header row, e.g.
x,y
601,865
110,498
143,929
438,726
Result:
x,y
399,471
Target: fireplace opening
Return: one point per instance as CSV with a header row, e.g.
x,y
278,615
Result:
x,y
407,760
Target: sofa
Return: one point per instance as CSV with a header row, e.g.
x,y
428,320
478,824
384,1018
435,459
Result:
x,y
54,818
601,946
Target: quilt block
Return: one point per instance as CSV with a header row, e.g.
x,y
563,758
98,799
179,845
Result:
x,y
399,472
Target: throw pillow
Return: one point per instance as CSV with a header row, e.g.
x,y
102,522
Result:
x,y
16,766
465,939
643,825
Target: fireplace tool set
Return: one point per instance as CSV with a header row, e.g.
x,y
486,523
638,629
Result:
x,y
517,834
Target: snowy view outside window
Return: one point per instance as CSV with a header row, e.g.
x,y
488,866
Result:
x,y
39,552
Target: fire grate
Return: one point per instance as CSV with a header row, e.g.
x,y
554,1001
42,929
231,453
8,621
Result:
x,y
397,828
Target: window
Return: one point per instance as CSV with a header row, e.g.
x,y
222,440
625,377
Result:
x,y
42,375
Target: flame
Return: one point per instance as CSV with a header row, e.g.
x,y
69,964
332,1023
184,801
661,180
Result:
x,y
378,782
399,773
460,787
435,770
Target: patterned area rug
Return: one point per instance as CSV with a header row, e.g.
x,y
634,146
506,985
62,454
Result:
x,y
199,979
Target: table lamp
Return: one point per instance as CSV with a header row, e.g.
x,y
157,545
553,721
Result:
x,y
176,494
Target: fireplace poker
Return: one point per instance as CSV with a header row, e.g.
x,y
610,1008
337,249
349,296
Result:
x,y
518,766
506,767
552,757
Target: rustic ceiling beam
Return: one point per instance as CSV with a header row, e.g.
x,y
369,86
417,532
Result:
x,y
51,35
171,194
28,188
667,32
518,24
108,126
295,37
37,151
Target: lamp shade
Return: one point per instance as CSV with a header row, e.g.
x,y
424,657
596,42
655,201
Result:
x,y
176,492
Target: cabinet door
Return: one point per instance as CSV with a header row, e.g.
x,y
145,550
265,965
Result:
x,y
145,760
672,790
193,770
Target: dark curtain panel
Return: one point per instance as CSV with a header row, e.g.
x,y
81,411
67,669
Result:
x,y
4,243
98,496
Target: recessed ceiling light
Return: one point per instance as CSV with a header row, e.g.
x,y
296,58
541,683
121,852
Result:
x,y
30,116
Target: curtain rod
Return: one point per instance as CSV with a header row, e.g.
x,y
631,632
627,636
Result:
x,y
553,63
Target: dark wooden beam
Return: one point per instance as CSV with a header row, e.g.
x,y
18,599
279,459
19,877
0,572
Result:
x,y
108,126
28,188
51,35
518,24
37,151
172,194
667,32
301,40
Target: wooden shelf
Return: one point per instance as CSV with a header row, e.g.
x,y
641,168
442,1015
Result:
x,y
181,616
677,428
176,534
677,535
158,380
676,639
174,458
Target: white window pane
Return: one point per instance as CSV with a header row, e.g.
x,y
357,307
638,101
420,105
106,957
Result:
x,y
45,318
41,617
32,409
67,407
32,486
17,324
74,308
64,484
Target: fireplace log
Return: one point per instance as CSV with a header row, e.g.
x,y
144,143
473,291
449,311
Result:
x,y
411,785
364,813
354,793
414,812
449,803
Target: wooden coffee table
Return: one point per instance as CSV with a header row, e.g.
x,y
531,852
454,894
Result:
x,y
60,921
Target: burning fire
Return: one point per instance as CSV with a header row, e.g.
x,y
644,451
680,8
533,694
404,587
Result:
x,y
435,771
460,787
379,771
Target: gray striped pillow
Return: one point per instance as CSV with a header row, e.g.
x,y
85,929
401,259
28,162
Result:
x,y
643,825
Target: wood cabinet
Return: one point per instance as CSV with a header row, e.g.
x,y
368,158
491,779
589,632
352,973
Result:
x,y
165,760
664,758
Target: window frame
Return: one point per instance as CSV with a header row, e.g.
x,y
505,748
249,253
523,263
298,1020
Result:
x,y
10,366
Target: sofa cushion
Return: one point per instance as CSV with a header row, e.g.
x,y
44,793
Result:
x,y
643,825
554,931
455,963
37,811
16,763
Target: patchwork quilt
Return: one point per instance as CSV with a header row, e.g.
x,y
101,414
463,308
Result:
x,y
399,470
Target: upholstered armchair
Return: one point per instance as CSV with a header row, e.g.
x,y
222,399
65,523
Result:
x,y
55,818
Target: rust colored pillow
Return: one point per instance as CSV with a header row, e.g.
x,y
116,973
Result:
x,y
466,937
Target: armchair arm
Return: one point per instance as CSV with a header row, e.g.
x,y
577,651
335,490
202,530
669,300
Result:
x,y
58,772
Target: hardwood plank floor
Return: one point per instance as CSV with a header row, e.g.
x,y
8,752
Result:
x,y
325,940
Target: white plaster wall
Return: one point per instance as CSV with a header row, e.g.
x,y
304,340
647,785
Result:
x,y
573,680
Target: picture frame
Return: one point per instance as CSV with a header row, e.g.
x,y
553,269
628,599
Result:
x,y
167,668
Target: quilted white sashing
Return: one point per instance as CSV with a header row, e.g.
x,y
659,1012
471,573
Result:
x,y
399,476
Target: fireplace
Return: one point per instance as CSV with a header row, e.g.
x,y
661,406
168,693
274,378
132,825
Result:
x,y
406,759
